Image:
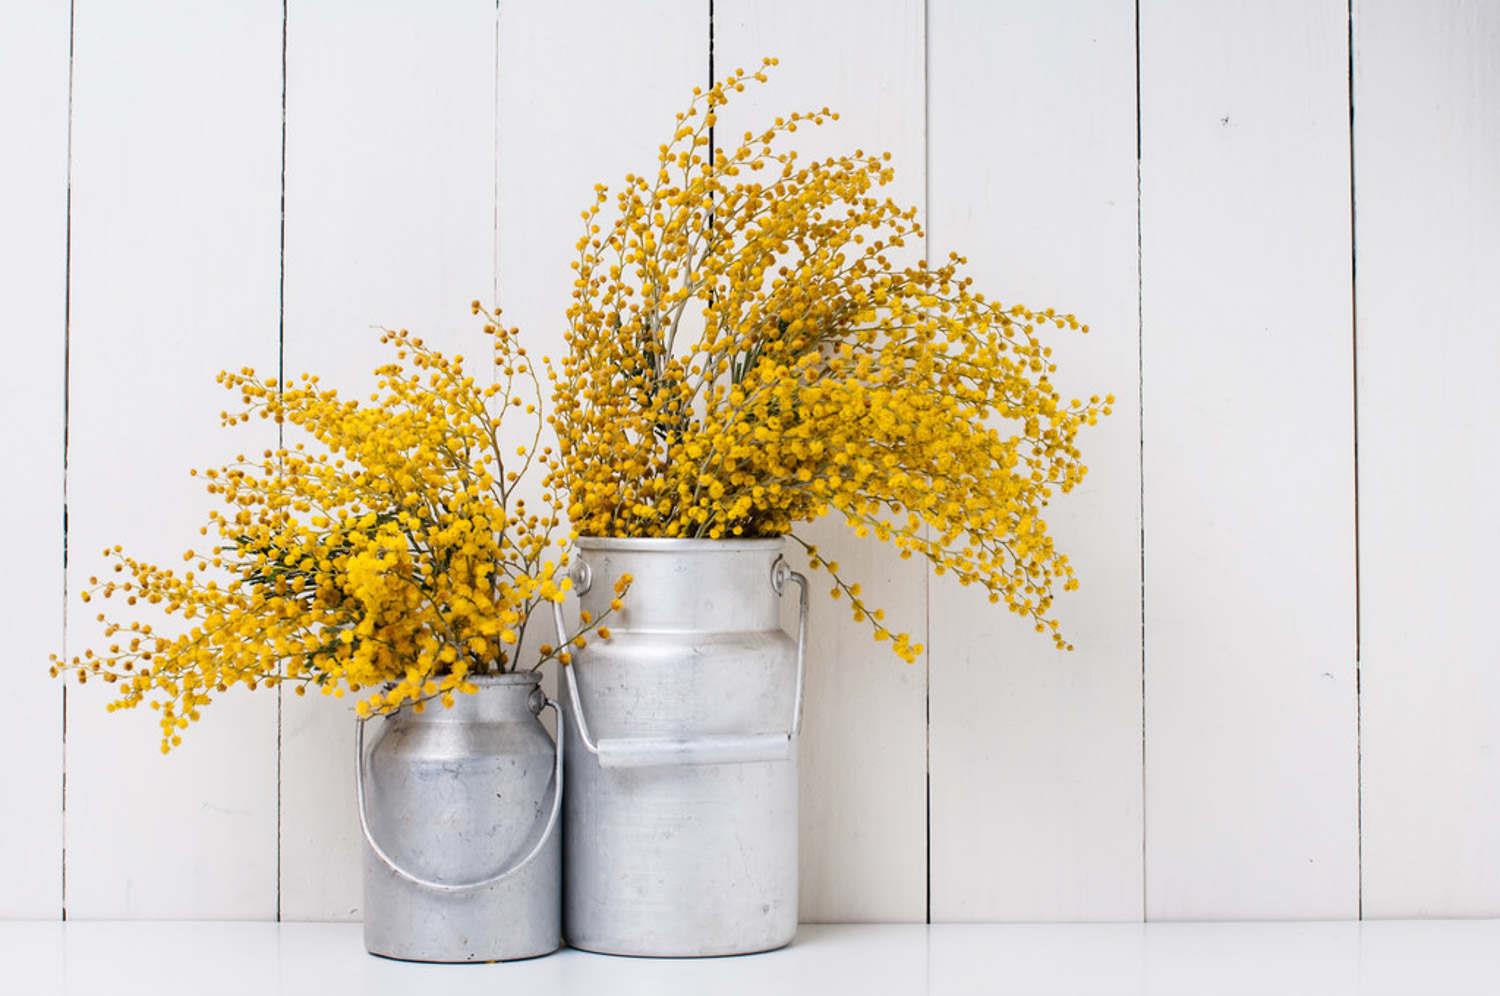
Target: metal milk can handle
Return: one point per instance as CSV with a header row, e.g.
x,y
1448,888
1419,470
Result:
x,y
504,873
644,752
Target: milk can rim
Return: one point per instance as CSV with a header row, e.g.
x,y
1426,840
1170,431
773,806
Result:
x,y
670,544
496,678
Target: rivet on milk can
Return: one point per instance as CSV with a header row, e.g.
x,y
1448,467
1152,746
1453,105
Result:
x,y
461,857
680,818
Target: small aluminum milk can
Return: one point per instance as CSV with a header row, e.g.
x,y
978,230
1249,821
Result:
x,y
459,809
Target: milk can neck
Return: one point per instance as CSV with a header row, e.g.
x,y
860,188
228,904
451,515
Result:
x,y
684,585
501,698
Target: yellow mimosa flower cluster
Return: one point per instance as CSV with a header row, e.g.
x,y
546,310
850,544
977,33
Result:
x,y
388,553
745,354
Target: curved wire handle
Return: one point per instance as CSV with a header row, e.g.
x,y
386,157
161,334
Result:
x,y
719,749
385,859
781,573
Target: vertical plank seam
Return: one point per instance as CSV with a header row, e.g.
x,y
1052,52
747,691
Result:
x,y
927,573
1140,374
710,77
281,429
495,179
1359,733
66,399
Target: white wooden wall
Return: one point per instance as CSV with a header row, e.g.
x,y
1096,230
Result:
x,y
1281,219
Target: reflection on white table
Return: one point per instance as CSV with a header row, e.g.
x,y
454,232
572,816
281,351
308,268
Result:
x,y
1422,958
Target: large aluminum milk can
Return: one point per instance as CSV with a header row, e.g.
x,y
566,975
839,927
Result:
x,y
459,809
680,819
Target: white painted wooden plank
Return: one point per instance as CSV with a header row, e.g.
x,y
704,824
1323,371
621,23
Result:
x,y
1036,755
1427,210
33,275
176,163
1248,461
863,754
579,106
389,221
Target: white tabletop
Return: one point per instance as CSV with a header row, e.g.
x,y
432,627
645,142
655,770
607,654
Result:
x,y
1431,958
